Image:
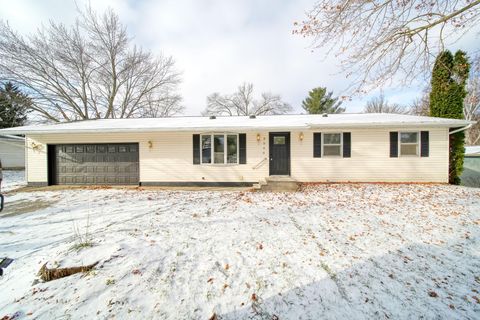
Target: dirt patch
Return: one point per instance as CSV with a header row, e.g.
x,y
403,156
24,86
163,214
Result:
x,y
16,208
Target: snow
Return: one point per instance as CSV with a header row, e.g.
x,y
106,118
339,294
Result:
x,y
292,122
331,251
12,179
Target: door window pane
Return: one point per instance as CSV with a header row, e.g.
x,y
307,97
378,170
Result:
x,y
278,140
206,149
231,149
219,148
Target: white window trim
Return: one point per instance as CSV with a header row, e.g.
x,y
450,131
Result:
x,y
408,143
225,147
330,144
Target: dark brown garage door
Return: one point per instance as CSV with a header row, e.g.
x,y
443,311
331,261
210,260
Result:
x,y
96,164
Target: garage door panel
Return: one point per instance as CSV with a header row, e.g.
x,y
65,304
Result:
x,y
97,164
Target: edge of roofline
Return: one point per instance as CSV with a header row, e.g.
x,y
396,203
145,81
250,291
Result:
x,y
456,124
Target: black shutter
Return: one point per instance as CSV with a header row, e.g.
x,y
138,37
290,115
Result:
x,y
424,146
317,144
196,149
347,144
393,144
242,148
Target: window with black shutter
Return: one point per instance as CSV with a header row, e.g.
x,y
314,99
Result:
x,y
242,148
196,149
317,144
424,144
393,144
347,144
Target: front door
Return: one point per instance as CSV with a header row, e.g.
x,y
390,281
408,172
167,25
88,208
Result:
x,y
279,143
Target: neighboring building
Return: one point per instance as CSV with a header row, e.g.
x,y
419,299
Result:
x,y
471,167
240,150
12,152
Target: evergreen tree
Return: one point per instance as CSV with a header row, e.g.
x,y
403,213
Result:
x,y
14,106
449,77
319,101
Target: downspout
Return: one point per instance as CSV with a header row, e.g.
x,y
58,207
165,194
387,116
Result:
x,y
461,129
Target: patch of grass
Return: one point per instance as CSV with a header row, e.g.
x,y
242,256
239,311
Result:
x,y
82,239
81,245
327,269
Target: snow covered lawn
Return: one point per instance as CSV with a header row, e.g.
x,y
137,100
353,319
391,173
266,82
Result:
x,y
13,179
353,251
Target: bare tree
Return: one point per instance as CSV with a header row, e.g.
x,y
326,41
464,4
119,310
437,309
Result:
x,y
471,106
379,39
381,105
421,106
242,103
89,70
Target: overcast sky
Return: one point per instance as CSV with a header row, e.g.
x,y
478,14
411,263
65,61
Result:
x,y
218,44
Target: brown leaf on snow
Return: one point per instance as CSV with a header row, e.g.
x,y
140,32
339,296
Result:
x,y
259,246
136,272
254,297
210,280
227,266
433,294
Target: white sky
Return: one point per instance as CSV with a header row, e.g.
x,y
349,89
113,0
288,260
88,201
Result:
x,y
218,44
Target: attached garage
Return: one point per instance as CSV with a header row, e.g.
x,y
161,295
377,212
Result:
x,y
87,164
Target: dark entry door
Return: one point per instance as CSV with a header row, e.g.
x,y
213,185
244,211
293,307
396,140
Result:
x,y
115,163
279,153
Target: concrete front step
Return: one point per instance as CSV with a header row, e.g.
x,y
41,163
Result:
x,y
277,183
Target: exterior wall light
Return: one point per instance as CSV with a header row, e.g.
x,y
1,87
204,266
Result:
x,y
150,144
300,136
258,137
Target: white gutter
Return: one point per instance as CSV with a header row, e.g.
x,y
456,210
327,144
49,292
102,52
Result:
x,y
225,128
461,129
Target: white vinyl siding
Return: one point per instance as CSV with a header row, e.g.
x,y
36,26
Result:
x,y
170,157
370,159
168,160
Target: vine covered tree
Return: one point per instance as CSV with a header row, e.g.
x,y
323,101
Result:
x,y
381,41
14,106
88,70
320,101
449,78
242,103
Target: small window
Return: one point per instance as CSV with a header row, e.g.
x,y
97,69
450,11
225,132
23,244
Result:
x,y
279,140
232,148
219,148
79,149
122,149
332,144
101,149
409,143
133,148
90,149
69,149
112,149
206,148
